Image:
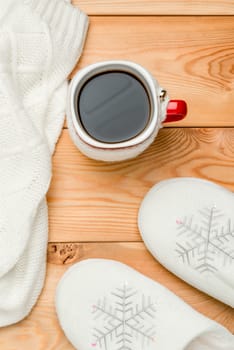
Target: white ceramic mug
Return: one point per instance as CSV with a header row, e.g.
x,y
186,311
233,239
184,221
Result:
x,y
161,110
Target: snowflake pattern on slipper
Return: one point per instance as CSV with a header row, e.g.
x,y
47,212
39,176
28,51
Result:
x,y
188,226
204,240
127,319
106,305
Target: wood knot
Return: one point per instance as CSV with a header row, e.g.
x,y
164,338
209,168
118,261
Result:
x,y
64,253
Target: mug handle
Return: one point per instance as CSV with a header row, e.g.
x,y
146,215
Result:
x,y
176,110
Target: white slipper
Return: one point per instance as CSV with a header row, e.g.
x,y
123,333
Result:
x,y
103,304
188,226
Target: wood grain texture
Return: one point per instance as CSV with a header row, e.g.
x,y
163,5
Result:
x,y
41,331
192,64
93,206
156,7
96,201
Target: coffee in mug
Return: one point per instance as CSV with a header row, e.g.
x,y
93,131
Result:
x,y
113,107
116,108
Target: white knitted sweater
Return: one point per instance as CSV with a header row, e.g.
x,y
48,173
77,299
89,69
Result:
x,y
40,42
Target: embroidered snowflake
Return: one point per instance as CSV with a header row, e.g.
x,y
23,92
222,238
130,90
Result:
x,y
206,242
123,320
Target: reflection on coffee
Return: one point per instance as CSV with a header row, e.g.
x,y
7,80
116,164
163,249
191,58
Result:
x,y
113,107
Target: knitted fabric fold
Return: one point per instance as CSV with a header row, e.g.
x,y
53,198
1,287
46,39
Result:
x,y
40,43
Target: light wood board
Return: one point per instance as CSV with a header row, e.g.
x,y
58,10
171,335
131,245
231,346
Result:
x,y
82,209
156,7
192,57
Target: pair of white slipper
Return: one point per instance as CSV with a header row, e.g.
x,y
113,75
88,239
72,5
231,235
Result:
x,y
188,225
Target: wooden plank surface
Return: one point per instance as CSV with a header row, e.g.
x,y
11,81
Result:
x,y
156,7
82,209
195,65
41,331
93,206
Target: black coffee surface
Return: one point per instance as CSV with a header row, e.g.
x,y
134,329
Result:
x,y
113,107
